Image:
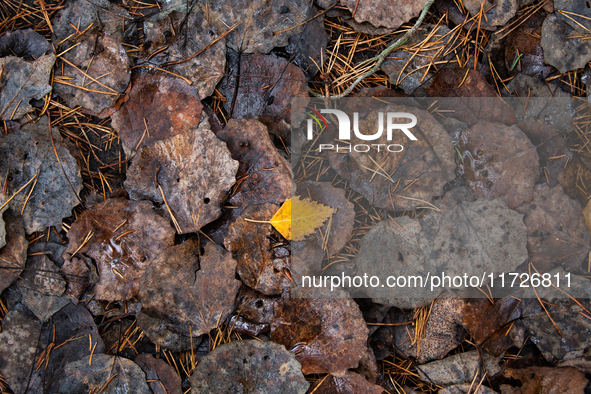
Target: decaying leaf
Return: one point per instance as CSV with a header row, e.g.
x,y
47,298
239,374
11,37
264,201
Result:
x,y
342,220
460,368
390,14
556,231
177,38
107,374
299,218
123,237
94,73
404,180
523,49
575,13
26,60
261,266
193,302
327,335
14,254
263,25
19,339
467,388
282,79
545,380
3,204
160,376
564,47
346,383
309,47
27,158
494,13
191,173
163,334
248,367
495,169
576,177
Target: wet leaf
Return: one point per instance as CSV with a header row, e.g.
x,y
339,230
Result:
x,y
160,376
123,237
14,254
327,335
256,306
430,159
495,169
266,86
298,218
262,23
108,374
191,173
556,231
496,12
342,219
260,266
460,368
19,336
563,46
94,73
248,367
576,177
309,47
390,14
346,383
164,334
26,60
545,380
177,38
79,273
193,302
575,13
27,156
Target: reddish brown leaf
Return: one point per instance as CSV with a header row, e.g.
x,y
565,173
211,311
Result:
x,y
126,237
576,177
346,383
545,380
161,377
390,14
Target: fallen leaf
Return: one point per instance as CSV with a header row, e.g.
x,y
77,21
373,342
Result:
x,y
161,377
421,171
94,73
4,206
495,12
27,157
495,169
193,302
248,367
79,274
191,173
575,13
14,254
26,60
177,38
298,218
346,383
460,368
563,46
260,266
107,374
545,380
164,334
264,86
256,306
556,231
390,14
263,24
467,388
19,338
576,177
123,237
159,106
309,47
327,335
342,220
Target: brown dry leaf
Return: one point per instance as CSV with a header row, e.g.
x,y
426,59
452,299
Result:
x,y
495,169
177,38
262,23
342,220
123,237
390,14
299,218
266,85
14,254
191,173
94,73
556,231
423,168
242,367
161,377
576,177
327,335
190,301
545,380
346,383
159,106
477,100
26,60
495,12
260,266
27,157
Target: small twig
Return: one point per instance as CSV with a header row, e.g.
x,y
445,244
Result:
x,y
379,59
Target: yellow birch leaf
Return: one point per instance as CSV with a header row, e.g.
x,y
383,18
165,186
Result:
x,y
298,218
